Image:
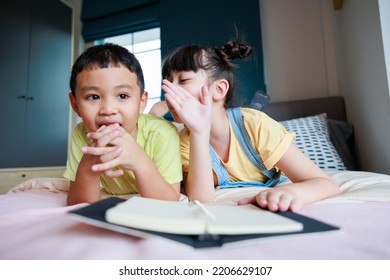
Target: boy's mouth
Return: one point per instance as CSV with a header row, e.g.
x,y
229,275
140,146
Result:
x,y
107,123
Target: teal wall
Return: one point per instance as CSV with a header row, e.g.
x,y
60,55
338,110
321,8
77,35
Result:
x,y
182,22
212,22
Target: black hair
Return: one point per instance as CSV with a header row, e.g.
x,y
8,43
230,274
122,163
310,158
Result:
x,y
217,62
104,56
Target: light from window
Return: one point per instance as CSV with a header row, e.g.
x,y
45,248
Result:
x,y
146,46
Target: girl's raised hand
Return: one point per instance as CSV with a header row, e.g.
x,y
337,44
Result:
x,y
194,113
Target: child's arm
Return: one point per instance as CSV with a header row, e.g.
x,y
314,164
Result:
x,y
196,115
123,151
309,184
86,187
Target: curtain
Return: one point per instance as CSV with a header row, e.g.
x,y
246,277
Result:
x,y
102,18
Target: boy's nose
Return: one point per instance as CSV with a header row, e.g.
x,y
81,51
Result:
x,y
107,108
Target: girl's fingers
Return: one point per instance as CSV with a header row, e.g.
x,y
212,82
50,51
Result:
x,y
247,200
295,206
205,97
269,199
172,102
175,90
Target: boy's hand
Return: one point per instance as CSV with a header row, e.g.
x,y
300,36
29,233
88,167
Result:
x,y
115,147
195,114
275,199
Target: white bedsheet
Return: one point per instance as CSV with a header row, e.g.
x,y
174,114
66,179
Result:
x,y
34,224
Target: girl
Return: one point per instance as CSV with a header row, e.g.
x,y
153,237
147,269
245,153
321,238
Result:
x,y
242,146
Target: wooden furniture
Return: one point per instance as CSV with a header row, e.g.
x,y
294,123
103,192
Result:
x,y
34,107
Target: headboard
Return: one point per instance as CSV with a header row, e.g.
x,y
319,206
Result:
x,y
341,133
333,106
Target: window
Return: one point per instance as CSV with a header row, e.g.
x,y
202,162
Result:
x,y
145,45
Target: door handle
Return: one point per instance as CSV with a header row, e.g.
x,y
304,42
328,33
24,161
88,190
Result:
x,y
25,97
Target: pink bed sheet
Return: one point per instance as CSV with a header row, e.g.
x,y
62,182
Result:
x,y
34,224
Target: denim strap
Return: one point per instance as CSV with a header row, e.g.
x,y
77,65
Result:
x,y
235,118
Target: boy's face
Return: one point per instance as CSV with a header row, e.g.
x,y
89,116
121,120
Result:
x,y
106,96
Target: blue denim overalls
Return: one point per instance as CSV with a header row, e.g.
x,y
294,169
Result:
x,y
235,118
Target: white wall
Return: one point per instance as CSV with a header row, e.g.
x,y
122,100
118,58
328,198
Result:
x,y
384,11
364,80
299,49
311,51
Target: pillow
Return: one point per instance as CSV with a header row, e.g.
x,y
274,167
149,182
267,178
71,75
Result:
x,y
312,138
342,137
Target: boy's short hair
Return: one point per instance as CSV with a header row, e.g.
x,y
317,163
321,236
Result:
x,y
104,56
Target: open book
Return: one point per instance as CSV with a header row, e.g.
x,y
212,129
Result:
x,y
95,214
196,218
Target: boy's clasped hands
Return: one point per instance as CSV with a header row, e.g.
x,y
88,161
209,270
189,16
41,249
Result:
x,y
114,149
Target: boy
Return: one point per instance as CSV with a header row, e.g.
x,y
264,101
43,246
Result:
x,y
115,145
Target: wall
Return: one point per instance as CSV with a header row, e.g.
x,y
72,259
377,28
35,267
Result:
x,y
364,80
311,50
299,50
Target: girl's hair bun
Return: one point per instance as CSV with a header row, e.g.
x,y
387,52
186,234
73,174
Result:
x,y
236,49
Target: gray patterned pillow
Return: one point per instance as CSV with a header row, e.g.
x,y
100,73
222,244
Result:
x,y
312,138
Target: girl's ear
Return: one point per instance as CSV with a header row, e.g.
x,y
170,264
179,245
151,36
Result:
x,y
73,103
221,88
143,102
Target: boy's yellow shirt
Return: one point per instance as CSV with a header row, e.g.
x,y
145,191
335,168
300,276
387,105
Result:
x,y
158,138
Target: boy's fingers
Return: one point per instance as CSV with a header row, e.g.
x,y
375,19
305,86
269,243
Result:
x,y
114,173
96,151
103,167
111,155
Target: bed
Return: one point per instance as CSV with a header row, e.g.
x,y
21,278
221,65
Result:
x,y
35,224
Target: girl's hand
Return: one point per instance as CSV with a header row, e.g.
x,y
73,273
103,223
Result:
x,y
195,114
275,199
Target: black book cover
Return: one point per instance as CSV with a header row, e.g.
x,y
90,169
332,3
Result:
x,y
94,214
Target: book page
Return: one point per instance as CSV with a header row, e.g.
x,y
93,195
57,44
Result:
x,y
196,218
248,219
158,215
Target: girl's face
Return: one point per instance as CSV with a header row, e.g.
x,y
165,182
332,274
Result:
x,y
106,96
189,80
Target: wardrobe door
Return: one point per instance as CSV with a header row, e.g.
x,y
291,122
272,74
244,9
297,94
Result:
x,y
14,51
47,107
34,107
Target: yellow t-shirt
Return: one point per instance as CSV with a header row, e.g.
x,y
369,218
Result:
x,y
270,139
156,136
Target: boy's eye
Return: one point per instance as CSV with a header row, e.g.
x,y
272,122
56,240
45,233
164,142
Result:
x,y
93,97
182,81
123,96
